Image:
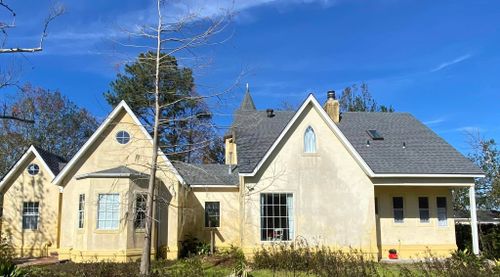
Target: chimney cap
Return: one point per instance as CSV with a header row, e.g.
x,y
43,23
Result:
x,y
330,94
270,112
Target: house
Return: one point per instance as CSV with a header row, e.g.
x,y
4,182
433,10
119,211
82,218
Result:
x,y
369,181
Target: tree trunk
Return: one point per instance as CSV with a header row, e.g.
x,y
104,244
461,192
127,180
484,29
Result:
x,y
146,252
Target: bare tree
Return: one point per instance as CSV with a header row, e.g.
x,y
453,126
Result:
x,y
6,26
9,77
167,39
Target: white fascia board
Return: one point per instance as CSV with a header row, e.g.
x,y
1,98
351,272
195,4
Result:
x,y
100,130
23,158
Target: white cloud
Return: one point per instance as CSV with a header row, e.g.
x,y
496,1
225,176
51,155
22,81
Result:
x,y
450,63
435,121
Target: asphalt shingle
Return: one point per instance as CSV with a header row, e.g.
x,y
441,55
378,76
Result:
x,y
207,174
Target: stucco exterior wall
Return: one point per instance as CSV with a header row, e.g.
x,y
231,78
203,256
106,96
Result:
x,y
413,239
27,188
124,243
194,225
332,197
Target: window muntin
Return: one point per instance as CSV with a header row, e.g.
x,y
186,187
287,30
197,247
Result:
x,y
123,137
441,211
108,211
33,169
140,211
423,209
276,217
309,140
81,210
398,209
30,215
212,214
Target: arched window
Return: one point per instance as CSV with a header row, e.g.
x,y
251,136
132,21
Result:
x,y
309,140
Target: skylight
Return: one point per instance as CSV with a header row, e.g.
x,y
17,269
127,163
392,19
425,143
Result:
x,y
375,135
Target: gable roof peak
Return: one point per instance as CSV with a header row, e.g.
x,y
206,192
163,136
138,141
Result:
x,y
247,103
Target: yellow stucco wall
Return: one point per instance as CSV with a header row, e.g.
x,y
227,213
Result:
x,y
413,239
124,243
194,215
27,188
332,197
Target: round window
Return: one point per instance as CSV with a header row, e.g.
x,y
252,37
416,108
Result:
x,y
33,169
122,137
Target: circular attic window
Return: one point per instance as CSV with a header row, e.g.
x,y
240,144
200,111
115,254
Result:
x,y
122,137
33,169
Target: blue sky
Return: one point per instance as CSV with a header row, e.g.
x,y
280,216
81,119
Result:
x,y
439,60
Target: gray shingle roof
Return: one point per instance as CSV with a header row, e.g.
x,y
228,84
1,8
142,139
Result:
x,y
53,161
425,152
207,174
247,104
120,171
255,133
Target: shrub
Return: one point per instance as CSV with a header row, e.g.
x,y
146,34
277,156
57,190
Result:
x,y
298,258
193,247
489,238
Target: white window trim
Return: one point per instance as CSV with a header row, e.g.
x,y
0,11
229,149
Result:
x,y
81,211
315,141
145,194
428,210
119,212
446,213
204,213
294,207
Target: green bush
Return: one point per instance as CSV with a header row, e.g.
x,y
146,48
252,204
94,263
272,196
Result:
x,y
193,247
489,239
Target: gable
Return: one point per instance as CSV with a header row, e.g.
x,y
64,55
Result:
x,y
32,155
102,151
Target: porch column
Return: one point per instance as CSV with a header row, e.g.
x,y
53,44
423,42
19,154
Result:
x,y
473,220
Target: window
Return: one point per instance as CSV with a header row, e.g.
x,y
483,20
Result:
x,y
108,211
33,169
212,214
276,217
375,135
30,215
81,210
398,209
441,211
122,137
309,140
140,211
423,208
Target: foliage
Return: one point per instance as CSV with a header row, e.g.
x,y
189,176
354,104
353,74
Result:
x,y
486,155
489,239
60,126
187,132
191,246
319,261
7,266
359,99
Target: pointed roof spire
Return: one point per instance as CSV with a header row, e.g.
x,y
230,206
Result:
x,y
247,104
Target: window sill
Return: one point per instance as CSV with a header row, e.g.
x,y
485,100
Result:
x,y
113,231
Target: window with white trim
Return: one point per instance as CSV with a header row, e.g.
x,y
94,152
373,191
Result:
x,y
212,214
423,209
309,140
81,210
276,217
441,211
33,169
398,209
31,214
140,211
108,211
123,137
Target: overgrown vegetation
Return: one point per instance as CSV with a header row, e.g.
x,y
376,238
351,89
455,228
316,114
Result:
x,y
7,266
302,260
489,239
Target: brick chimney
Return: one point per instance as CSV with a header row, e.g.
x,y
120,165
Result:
x,y
332,106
